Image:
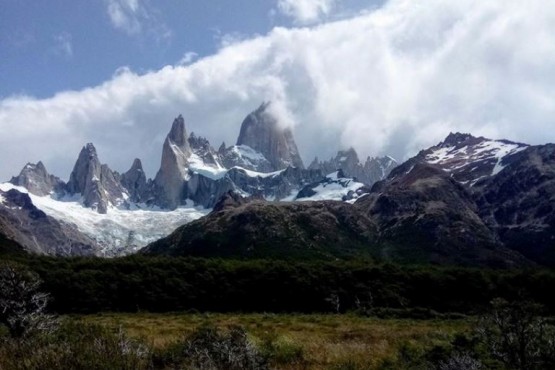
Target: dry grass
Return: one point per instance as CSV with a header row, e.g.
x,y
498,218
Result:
x,y
326,341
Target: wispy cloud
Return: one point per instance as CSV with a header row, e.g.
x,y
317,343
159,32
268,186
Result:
x,y
63,45
391,81
136,17
306,11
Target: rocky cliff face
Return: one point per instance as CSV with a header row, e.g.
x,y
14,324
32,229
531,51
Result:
x,y
170,179
369,172
135,182
262,132
24,224
36,179
97,184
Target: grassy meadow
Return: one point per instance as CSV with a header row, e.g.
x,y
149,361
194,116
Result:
x,y
298,341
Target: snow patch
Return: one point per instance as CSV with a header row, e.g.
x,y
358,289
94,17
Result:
x,y
334,188
197,165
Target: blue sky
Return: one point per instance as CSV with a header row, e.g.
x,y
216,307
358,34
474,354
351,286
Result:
x,y
49,46
385,77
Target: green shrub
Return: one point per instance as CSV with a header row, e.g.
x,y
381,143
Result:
x,y
280,350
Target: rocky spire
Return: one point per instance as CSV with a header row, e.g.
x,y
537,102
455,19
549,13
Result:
x,y
135,182
261,131
373,170
170,179
96,183
37,180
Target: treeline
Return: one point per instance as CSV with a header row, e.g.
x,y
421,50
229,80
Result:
x,y
130,284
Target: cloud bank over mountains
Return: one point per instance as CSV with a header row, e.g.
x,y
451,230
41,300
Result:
x,y
389,81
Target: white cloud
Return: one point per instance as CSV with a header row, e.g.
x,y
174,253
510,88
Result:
x,y
388,82
306,11
188,58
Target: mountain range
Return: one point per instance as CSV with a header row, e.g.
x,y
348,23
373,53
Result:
x,y
467,201
99,211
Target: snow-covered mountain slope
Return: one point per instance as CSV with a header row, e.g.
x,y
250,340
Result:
x,y
334,186
119,231
470,158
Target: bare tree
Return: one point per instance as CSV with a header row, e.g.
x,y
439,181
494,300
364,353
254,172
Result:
x,y
518,336
22,305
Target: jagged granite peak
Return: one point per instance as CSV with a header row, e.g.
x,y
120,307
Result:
x,y
262,132
222,148
170,180
202,148
373,170
98,185
36,179
135,181
87,164
455,138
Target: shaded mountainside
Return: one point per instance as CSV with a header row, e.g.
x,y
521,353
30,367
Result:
x,y
330,229
519,203
24,225
255,228
425,215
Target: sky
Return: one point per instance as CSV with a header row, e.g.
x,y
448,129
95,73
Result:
x,y
387,77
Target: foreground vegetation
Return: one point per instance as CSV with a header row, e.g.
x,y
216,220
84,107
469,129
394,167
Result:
x,y
272,315
135,284
298,341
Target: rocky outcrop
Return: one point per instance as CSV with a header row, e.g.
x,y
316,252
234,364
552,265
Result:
x,y
262,132
170,180
135,182
369,172
98,185
23,224
37,180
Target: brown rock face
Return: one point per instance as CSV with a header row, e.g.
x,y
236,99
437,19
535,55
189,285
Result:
x,y
261,131
170,179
